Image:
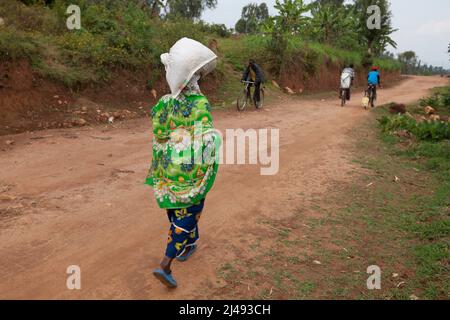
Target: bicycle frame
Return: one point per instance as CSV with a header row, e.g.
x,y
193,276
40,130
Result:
x,y
248,85
370,93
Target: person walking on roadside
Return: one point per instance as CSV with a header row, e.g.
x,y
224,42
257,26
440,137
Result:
x,y
185,151
347,80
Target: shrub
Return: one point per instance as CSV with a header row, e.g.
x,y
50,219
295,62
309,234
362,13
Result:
x,y
433,101
220,30
427,130
15,45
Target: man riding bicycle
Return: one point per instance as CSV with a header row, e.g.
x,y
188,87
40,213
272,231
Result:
x,y
374,80
347,78
254,73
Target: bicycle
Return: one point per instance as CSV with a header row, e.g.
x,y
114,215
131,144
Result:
x,y
343,96
370,93
247,96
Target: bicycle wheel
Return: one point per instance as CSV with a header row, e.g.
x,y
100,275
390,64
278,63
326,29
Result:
x,y
372,99
243,101
260,104
343,98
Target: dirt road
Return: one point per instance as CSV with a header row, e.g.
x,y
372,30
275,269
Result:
x,y
76,197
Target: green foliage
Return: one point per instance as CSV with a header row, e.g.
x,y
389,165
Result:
x,y
336,55
290,21
333,24
173,9
427,130
386,64
427,212
252,18
440,99
375,40
237,52
115,34
220,30
15,45
29,18
125,34
411,64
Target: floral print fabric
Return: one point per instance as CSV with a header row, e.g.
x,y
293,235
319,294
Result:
x,y
185,150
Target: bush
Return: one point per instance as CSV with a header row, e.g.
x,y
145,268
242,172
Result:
x,y
15,45
220,30
238,50
433,101
32,18
115,34
427,130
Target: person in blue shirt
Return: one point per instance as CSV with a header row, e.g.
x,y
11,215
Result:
x,y
374,79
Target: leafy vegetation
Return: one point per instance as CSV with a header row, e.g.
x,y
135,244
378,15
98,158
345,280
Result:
x,y
440,100
428,218
252,19
426,130
192,9
131,35
411,64
118,35
423,130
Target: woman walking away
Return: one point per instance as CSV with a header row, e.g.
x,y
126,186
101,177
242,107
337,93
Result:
x,y
185,150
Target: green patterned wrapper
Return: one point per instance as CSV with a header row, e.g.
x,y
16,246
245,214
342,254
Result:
x,y
185,151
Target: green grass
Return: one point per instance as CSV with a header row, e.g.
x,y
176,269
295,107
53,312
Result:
x,y
336,55
402,226
111,38
439,100
15,45
119,35
237,51
426,215
387,64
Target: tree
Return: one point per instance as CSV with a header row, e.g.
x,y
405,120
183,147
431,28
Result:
x,y
331,21
409,61
291,18
252,18
333,3
190,9
290,22
376,40
41,2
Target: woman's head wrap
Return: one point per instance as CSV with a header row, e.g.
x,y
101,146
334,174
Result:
x,y
185,59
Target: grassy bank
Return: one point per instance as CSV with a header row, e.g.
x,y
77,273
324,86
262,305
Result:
x,y
238,50
425,217
121,35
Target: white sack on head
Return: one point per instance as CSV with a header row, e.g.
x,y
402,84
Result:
x,y
186,58
346,80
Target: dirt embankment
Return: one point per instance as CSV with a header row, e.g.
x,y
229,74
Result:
x,y
30,102
301,78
